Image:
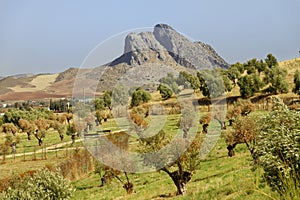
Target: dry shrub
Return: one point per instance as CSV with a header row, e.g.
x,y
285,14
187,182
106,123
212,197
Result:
x,y
78,166
11,181
294,107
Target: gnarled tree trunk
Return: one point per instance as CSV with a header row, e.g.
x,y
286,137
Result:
x,y
230,148
180,178
29,135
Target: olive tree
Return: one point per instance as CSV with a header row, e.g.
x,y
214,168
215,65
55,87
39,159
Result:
x,y
275,78
60,128
211,83
171,82
27,126
249,85
165,91
180,170
42,126
244,131
180,159
117,159
8,128
139,96
240,108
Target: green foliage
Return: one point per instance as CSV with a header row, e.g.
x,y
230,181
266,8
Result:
x,y
271,61
180,158
120,95
59,106
165,91
194,82
211,83
250,66
240,108
183,79
1,120
102,115
249,85
185,151
44,184
14,115
234,74
99,104
71,129
10,139
239,67
261,66
27,126
107,99
8,128
276,78
278,149
253,66
82,109
61,129
227,83
244,130
296,89
170,81
139,96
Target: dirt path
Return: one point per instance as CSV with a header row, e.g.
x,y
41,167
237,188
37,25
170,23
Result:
x,y
55,147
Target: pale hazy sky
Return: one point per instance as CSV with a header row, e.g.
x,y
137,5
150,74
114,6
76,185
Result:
x,y
50,36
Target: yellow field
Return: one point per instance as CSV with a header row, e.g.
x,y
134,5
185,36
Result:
x,y
39,83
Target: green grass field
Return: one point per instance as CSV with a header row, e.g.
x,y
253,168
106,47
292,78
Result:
x,y
219,177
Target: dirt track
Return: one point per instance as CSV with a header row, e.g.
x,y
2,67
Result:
x,y
48,149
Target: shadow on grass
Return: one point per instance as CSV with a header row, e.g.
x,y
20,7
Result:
x,y
214,158
165,196
212,176
85,187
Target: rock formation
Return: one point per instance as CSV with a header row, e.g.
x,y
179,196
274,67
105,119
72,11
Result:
x,y
167,45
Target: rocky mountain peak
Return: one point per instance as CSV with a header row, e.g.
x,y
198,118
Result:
x,y
164,44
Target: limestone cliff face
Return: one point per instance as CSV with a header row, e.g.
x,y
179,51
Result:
x,y
166,45
141,48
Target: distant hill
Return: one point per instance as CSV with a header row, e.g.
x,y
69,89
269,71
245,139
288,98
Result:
x,y
61,84
291,66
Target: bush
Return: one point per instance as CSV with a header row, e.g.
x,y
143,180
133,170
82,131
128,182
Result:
x,y
278,150
165,91
139,96
44,184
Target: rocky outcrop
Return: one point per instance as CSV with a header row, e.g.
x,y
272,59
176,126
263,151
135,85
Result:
x,y
140,48
167,45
